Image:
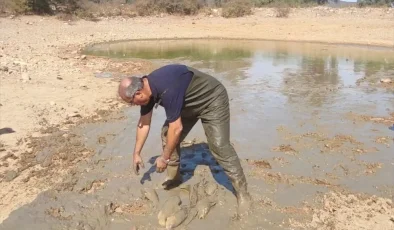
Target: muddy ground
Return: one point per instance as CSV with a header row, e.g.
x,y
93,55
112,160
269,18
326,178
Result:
x,y
64,132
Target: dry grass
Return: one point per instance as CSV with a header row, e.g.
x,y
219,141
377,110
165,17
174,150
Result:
x,y
282,11
237,8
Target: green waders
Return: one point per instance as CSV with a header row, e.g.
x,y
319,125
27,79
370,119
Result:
x,y
207,99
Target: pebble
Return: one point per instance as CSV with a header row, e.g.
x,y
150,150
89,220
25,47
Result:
x,y
385,80
74,114
4,68
10,175
25,77
52,103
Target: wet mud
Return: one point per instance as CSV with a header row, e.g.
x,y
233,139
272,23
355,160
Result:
x,y
315,147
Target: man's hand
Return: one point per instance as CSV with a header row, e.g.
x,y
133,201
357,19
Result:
x,y
137,163
161,164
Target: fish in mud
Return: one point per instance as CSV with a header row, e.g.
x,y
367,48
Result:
x,y
203,206
176,219
193,195
211,188
170,206
151,195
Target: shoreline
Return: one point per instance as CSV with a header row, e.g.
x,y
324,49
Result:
x,y
381,46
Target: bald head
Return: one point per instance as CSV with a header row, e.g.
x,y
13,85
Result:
x,y
132,90
128,86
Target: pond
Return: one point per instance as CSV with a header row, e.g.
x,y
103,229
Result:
x,y
306,119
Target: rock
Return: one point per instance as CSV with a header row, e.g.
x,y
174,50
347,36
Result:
x,y
59,78
385,80
4,68
104,75
29,23
25,77
10,175
83,57
74,114
52,103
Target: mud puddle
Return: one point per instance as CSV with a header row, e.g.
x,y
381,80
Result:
x,y
304,156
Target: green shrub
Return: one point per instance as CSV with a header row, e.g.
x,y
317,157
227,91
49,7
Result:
x,y
282,11
145,7
15,6
183,7
179,7
237,8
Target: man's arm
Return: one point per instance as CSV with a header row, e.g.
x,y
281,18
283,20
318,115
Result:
x,y
142,132
173,135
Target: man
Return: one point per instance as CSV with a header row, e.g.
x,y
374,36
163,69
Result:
x,y
187,95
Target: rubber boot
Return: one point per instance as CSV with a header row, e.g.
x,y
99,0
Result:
x,y
173,178
244,200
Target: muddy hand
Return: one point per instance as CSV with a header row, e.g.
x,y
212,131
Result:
x,y
137,163
161,164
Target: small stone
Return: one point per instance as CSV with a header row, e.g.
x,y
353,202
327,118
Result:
x,y
52,103
10,175
385,80
118,210
74,114
83,57
59,78
25,77
4,68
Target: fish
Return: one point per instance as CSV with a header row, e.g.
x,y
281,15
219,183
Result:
x,y
151,195
211,188
176,219
203,206
170,206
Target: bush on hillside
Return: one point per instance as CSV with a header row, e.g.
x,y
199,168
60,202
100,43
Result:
x,y
237,8
183,7
177,7
282,11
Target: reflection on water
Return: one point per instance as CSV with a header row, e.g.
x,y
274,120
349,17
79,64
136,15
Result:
x,y
312,74
277,83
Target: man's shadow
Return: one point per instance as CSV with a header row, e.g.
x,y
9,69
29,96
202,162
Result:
x,y
191,157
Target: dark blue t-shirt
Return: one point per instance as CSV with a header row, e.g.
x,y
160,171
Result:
x,y
169,83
